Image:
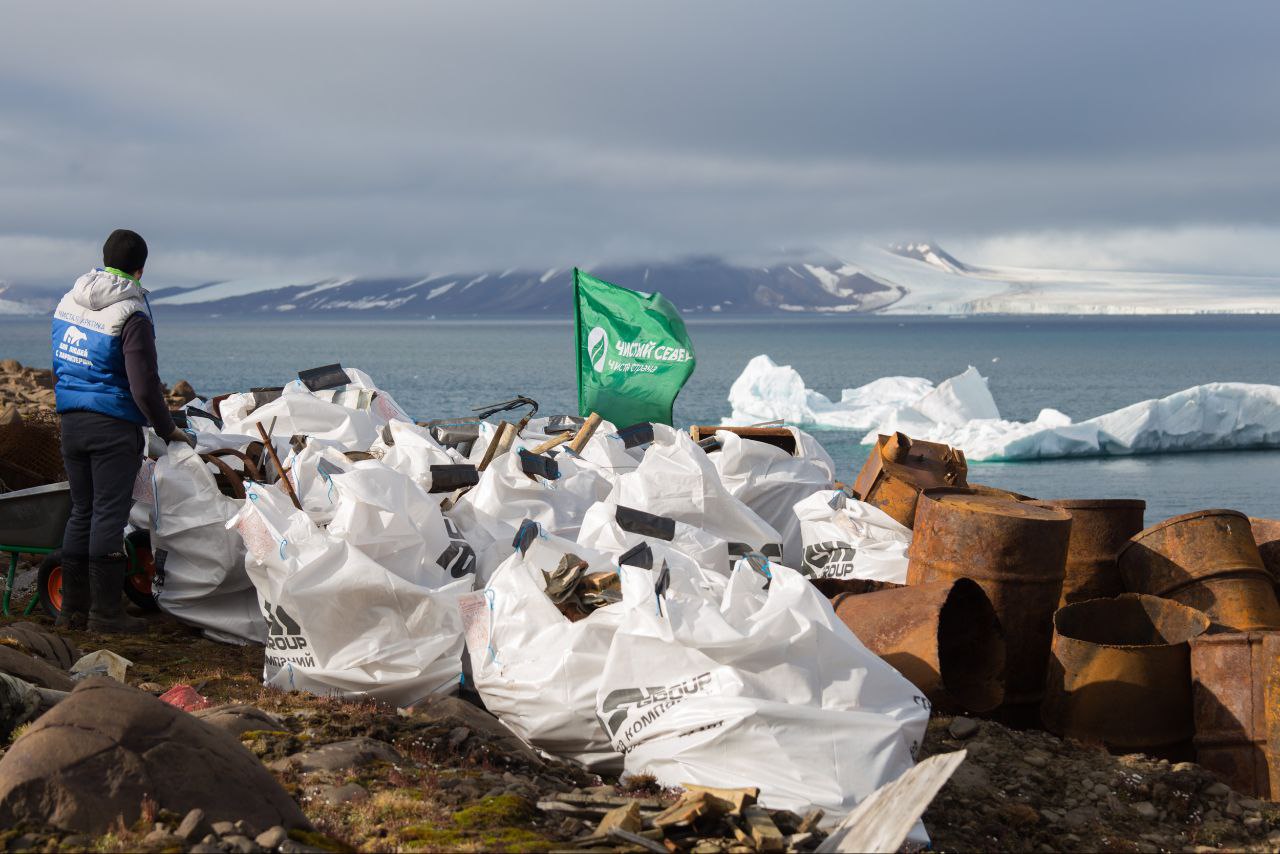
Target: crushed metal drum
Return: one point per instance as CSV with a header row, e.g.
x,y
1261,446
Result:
x,y
899,468
943,637
1017,551
1236,702
1100,528
1120,672
1209,561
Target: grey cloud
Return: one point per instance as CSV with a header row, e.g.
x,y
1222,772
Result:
x,y
406,137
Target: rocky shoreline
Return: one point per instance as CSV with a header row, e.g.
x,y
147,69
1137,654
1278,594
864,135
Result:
x,y
446,775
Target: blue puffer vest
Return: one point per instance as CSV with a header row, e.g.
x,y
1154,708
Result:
x,y
88,358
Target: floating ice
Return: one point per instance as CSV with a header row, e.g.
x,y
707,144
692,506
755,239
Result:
x,y
962,413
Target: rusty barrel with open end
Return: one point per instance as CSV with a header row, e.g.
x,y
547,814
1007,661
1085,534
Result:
x,y
1017,551
1100,528
1236,699
1209,561
899,468
944,637
1120,672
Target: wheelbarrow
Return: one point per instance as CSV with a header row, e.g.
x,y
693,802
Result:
x,y
32,522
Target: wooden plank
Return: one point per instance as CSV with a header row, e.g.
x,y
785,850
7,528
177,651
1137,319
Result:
x,y
883,820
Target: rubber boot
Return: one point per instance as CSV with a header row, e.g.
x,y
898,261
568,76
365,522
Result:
x,y
106,611
74,613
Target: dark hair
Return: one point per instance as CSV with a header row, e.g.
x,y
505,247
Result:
x,y
125,250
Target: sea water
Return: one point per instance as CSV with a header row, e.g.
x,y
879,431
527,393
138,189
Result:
x,y
1081,366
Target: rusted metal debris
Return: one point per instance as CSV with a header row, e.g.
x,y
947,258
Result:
x,y
1120,672
1207,560
1266,533
1100,528
1236,702
900,468
944,637
1017,551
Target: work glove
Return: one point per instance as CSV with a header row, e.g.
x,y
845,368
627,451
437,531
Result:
x,y
180,435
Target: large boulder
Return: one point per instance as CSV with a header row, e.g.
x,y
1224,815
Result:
x,y
99,752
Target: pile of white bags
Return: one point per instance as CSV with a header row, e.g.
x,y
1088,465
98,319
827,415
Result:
x,y
770,480
200,575
676,479
555,493
340,623
765,687
846,538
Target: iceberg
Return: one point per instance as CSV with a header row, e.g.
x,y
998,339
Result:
x,y
962,413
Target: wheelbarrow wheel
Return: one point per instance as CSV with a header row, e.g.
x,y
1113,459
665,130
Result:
x,y
49,584
142,569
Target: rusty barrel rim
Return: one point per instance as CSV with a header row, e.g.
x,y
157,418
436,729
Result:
x,y
1093,503
1177,520
972,501
1193,615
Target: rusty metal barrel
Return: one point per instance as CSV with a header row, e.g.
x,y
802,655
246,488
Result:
x,y
1120,672
1017,551
1236,702
899,468
1100,528
943,637
1209,561
1266,533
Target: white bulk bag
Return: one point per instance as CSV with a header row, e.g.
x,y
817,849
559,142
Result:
x,y
339,622
391,519
847,538
765,687
298,412
676,479
770,481
491,512
200,575
534,668
310,473
410,450
615,529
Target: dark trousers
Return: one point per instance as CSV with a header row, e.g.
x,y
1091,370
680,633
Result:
x,y
102,456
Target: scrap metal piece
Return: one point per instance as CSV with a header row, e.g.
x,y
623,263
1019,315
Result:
x,y
1017,551
944,637
1207,560
1236,705
1100,528
899,469
1120,672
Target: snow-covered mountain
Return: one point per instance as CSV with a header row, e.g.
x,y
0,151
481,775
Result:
x,y
911,278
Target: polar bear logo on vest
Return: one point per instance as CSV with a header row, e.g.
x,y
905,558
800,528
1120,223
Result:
x,y
74,336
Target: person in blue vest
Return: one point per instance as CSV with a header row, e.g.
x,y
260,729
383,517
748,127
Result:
x,y
108,389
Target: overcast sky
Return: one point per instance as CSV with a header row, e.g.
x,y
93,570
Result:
x,y
322,138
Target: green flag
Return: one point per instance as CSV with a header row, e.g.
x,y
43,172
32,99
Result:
x,y
634,355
